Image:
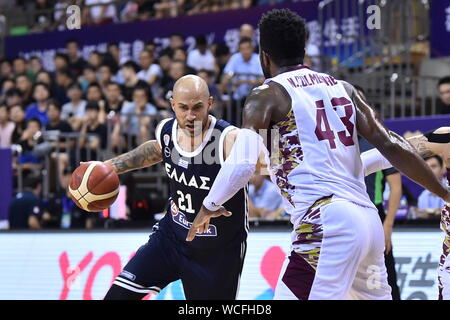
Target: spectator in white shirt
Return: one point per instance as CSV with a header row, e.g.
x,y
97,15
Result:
x,y
74,111
201,58
98,13
137,116
264,200
150,71
430,205
244,69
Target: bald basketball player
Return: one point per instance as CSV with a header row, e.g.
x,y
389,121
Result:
x,y
192,146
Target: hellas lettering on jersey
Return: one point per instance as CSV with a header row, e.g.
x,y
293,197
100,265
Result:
x,y
181,178
180,219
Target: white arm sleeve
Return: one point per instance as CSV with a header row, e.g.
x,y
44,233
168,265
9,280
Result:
x,y
374,161
237,169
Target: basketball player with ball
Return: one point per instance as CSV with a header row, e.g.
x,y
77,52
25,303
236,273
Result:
x,y
192,147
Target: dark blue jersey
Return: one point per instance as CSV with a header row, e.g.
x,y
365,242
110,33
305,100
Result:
x,y
191,175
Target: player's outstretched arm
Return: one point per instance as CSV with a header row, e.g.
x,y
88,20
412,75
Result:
x,y
147,154
435,142
395,148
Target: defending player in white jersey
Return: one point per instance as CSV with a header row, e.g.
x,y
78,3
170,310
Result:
x,y
338,240
435,142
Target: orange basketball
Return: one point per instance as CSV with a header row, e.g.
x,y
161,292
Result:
x,y
94,186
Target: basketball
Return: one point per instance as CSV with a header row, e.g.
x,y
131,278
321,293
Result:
x,y
94,186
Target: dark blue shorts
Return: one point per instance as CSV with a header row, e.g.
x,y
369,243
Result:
x,y
205,274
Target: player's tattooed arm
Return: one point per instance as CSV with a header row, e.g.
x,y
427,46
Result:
x,y
147,154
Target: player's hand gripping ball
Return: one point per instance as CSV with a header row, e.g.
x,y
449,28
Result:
x,y
94,186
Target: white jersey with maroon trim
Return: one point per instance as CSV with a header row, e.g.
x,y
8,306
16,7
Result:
x,y
318,152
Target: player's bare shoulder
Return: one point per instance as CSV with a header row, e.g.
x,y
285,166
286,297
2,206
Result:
x,y
266,104
349,88
158,129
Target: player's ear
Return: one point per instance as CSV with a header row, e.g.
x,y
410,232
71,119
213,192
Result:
x,y
264,57
172,103
210,102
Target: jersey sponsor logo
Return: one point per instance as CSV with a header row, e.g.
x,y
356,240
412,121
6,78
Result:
x,y
180,218
166,139
167,152
197,182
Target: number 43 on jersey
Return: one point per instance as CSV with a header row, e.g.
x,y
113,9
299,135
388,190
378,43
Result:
x,y
328,133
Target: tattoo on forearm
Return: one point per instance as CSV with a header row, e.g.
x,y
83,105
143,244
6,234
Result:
x,y
420,144
145,155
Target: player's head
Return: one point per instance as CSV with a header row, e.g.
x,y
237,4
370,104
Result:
x,y
191,102
282,37
436,165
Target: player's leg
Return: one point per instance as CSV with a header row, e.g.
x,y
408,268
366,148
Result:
x,y
371,279
346,243
149,271
295,280
327,269
299,268
389,262
214,275
444,271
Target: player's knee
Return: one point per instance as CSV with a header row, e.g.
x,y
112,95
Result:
x,y
118,293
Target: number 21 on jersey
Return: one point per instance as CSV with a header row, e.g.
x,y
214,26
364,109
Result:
x,y
182,198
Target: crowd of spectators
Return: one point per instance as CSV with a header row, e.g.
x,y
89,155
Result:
x,y
46,15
